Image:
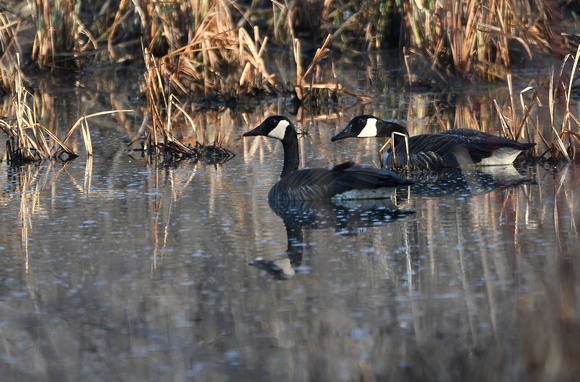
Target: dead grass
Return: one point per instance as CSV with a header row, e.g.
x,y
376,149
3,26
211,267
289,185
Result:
x,y
28,140
9,49
62,40
470,37
200,53
215,49
523,116
167,113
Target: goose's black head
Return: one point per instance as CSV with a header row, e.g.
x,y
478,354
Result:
x,y
273,127
367,126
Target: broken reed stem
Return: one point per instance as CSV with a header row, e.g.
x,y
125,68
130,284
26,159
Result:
x,y
512,114
504,124
527,110
84,131
175,102
320,52
572,79
87,137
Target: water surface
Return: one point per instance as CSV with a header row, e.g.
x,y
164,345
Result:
x,y
117,268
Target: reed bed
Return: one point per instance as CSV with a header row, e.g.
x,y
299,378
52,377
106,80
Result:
x,y
166,112
469,37
218,60
213,52
526,116
207,45
9,48
28,140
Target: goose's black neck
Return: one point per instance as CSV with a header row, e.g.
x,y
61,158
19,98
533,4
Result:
x,y
386,129
291,153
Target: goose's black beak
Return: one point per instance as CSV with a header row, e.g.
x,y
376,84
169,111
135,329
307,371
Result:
x,y
251,133
346,133
255,132
260,130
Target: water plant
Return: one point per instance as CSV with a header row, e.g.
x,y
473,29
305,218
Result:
x,y
205,42
29,140
9,48
166,111
26,135
468,37
561,137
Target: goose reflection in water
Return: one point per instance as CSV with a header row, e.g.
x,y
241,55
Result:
x,y
347,217
350,217
459,182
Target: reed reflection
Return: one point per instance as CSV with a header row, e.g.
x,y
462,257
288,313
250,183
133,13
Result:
x,y
347,217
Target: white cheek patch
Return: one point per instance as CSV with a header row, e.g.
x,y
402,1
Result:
x,y
280,130
370,129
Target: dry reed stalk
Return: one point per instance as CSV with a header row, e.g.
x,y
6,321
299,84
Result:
x,y
9,49
27,138
516,121
218,60
461,37
55,24
556,147
22,146
476,37
161,140
317,88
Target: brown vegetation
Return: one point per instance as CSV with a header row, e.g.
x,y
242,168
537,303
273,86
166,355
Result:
x,y
27,140
469,37
214,51
215,48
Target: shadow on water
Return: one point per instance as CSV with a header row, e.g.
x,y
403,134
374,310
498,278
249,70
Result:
x,y
348,217
351,217
468,182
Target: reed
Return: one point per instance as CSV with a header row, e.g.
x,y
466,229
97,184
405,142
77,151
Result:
x,y
166,112
56,25
469,37
220,62
9,48
526,119
28,139
208,48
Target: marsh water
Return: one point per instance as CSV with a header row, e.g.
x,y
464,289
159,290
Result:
x,y
117,267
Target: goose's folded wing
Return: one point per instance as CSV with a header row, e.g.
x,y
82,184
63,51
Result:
x,y
320,183
458,147
364,177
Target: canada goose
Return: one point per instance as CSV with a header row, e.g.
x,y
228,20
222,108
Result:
x,y
451,148
343,181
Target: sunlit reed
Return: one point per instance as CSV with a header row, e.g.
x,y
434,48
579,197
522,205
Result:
x,y
479,38
201,36
26,135
28,139
561,140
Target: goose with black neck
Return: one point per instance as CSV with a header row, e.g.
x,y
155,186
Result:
x,y
450,148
